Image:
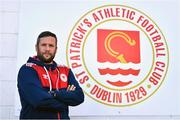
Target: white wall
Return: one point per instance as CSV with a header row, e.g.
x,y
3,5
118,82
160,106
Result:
x,y
9,17
9,14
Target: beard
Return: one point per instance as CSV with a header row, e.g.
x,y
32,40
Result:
x,y
45,60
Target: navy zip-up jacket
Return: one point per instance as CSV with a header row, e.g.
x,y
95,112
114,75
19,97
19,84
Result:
x,y
37,101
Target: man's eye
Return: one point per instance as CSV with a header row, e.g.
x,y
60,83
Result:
x,y
43,44
51,45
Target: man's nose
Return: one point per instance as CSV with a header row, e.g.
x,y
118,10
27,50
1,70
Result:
x,y
47,47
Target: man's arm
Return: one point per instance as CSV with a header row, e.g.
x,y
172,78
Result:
x,y
30,90
73,95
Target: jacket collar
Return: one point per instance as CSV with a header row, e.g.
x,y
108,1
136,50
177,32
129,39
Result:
x,y
36,61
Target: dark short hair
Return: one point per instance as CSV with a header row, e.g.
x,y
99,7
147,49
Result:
x,y
45,34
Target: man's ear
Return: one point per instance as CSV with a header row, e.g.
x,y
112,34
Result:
x,y
56,48
36,48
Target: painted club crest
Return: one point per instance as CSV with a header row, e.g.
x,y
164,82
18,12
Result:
x,y
118,47
118,55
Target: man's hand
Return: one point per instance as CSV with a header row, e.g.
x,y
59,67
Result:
x,y
71,88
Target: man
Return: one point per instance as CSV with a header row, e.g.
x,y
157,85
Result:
x,y
46,89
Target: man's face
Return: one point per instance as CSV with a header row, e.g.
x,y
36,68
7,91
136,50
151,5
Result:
x,y
46,49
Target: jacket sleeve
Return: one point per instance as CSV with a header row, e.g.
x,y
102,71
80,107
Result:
x,y
31,91
71,98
